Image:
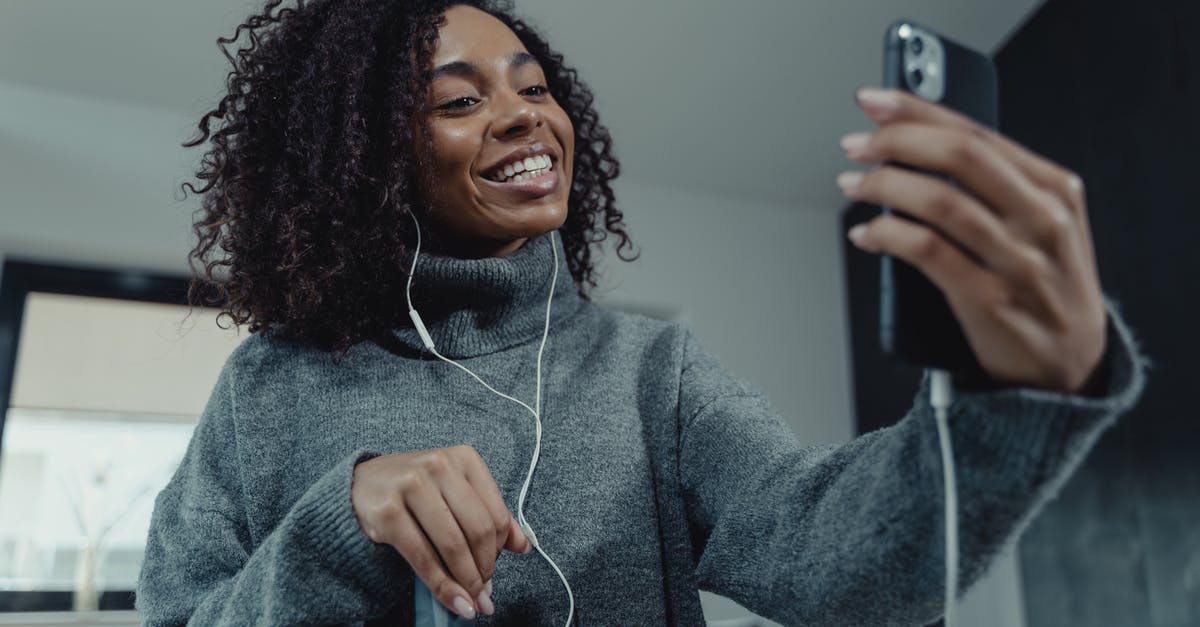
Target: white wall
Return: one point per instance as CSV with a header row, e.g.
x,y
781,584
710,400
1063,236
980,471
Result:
x,y
761,285
90,181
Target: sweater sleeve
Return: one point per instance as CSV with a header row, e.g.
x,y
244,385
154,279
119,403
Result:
x,y
853,534
201,568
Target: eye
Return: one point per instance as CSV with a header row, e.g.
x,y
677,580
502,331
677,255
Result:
x,y
459,103
539,90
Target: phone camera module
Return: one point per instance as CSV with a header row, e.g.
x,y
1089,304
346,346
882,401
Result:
x,y
923,58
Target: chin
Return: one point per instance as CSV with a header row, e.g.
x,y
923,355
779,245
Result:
x,y
539,220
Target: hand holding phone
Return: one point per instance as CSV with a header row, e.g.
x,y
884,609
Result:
x,y
1001,286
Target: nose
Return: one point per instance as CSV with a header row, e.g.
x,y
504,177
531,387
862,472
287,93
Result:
x,y
515,116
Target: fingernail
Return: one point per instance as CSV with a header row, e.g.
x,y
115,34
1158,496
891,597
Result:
x,y
488,587
849,180
855,143
485,603
856,234
877,102
463,607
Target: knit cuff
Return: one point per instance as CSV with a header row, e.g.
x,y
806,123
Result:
x,y
1043,428
1120,381
327,528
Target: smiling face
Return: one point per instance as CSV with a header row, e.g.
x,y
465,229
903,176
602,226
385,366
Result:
x,y
502,146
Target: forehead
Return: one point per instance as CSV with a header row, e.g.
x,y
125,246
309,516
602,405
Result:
x,y
468,34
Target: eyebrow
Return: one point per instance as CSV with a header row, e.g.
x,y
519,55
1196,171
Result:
x,y
468,69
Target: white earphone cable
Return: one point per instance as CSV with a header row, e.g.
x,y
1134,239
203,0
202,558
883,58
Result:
x,y
428,341
940,397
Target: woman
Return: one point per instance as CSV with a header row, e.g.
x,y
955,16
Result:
x,y
340,456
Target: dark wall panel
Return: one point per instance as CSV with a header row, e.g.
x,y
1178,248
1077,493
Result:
x,y
1112,90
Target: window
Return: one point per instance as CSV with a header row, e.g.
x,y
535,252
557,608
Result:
x,y
102,377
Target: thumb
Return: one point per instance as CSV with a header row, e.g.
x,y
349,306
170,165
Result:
x,y
517,542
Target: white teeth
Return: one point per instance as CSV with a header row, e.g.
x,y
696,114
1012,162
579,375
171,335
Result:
x,y
524,169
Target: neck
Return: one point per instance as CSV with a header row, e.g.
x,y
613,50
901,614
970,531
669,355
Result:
x,y
481,249
441,241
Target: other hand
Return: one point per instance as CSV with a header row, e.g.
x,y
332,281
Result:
x,y
447,496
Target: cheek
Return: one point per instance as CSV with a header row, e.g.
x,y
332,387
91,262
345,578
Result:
x,y
566,133
454,152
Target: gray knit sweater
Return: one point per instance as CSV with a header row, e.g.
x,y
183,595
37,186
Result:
x,y
660,473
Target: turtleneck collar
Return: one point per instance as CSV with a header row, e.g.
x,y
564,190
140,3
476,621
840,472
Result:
x,y
475,307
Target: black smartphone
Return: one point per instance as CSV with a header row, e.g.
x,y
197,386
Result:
x,y
916,322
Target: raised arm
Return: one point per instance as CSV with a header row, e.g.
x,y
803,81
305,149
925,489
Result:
x,y
852,534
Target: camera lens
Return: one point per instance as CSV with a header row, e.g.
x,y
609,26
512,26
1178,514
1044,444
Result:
x,y
916,45
915,77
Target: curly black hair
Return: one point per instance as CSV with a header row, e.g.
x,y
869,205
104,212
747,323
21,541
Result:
x,y
304,225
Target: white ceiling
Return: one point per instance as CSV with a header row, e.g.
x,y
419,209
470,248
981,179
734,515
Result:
x,y
745,100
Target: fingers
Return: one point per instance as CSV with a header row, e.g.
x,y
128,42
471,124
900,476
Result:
x,y
957,214
476,526
1046,203
433,514
958,277
974,164
517,541
412,544
1063,199
887,106
480,477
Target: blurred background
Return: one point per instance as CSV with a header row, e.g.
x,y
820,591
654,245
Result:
x,y
726,118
